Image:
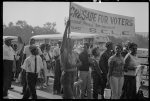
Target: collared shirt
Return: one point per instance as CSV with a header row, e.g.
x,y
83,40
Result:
x,y
56,51
8,53
27,51
29,64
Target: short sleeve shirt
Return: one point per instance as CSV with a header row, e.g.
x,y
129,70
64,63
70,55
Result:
x,y
29,64
27,51
8,53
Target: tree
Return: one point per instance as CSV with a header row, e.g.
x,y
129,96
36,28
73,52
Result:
x,y
25,31
4,26
141,41
21,23
49,28
10,24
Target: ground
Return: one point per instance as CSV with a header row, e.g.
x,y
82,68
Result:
x,y
47,93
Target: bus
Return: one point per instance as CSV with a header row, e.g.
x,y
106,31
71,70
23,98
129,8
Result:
x,y
77,37
15,38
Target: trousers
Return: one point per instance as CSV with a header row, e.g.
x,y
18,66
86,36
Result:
x,y
86,84
31,84
7,75
116,84
57,71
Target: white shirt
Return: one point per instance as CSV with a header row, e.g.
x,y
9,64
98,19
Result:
x,y
29,64
8,53
46,56
56,51
27,51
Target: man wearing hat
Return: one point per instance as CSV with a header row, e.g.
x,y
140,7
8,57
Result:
x,y
8,58
103,63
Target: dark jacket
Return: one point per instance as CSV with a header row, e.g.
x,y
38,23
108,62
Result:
x,y
96,69
103,63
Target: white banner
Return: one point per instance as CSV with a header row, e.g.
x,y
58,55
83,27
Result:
x,y
84,20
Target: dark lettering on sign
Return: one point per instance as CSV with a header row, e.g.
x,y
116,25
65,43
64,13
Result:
x,y
102,19
121,21
87,24
76,28
75,21
93,30
83,14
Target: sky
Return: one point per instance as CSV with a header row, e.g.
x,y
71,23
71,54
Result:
x,y
38,13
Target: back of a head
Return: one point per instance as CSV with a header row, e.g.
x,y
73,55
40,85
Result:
x,y
32,41
33,49
132,45
86,45
109,44
94,51
59,42
119,45
42,47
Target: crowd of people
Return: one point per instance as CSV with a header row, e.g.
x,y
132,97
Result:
x,y
115,68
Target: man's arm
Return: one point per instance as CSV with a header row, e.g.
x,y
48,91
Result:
x,y
23,58
98,70
24,55
127,60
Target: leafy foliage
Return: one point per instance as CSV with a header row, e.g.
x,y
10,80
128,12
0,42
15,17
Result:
x,y
25,31
140,40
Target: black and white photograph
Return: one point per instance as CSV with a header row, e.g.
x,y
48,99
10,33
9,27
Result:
x,y
75,50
